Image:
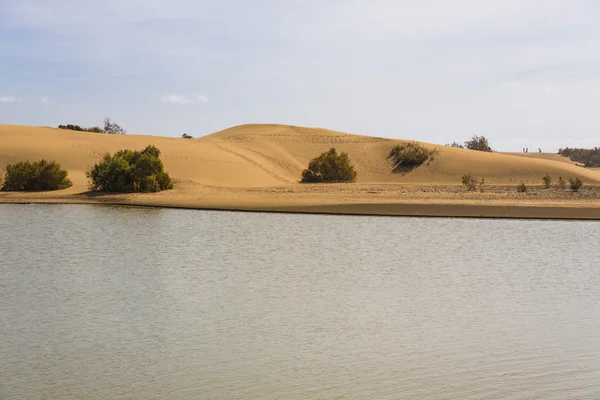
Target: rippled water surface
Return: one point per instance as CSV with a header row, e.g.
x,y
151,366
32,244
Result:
x,y
122,303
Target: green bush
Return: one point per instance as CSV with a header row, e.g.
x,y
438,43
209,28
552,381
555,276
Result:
x,y
561,184
469,182
547,179
522,188
575,184
406,157
329,167
130,171
37,175
479,143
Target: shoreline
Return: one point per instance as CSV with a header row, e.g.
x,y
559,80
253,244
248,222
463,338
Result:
x,y
439,209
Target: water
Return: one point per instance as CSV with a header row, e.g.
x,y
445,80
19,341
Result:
x,y
121,303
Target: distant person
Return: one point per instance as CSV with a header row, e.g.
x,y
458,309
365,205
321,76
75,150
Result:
x,y
540,149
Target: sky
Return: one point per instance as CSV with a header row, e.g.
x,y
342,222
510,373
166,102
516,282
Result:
x,y
523,73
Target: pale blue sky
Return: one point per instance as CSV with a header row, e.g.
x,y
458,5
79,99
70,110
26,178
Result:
x,y
521,72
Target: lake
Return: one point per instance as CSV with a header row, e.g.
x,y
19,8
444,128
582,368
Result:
x,y
137,303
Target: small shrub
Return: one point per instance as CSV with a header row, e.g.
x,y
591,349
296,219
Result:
x,y
456,145
547,179
186,136
575,184
329,167
469,182
409,156
129,171
522,188
37,175
561,184
481,183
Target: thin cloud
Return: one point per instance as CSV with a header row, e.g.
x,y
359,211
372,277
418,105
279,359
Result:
x,y
184,99
44,100
9,99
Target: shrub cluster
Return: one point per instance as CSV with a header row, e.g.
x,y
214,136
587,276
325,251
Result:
x,y
329,167
37,175
479,143
406,157
81,129
109,127
522,188
574,183
589,157
130,171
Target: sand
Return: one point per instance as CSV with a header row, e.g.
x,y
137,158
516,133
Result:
x,y
257,168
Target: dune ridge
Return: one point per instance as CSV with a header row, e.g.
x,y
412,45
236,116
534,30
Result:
x,y
258,167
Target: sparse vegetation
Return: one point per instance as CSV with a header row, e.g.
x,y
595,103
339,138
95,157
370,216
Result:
x,y
561,184
481,183
186,136
455,144
112,128
109,128
469,182
409,156
129,171
36,176
479,143
575,184
522,188
329,167
547,179
590,158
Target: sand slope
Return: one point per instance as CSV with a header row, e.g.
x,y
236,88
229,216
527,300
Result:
x,y
271,155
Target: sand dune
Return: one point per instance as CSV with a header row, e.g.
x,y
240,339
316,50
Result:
x,y
547,156
243,165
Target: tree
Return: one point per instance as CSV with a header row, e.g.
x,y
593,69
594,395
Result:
x,y
329,167
129,171
479,143
37,175
112,128
589,157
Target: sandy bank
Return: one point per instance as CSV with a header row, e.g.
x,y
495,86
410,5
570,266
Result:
x,y
257,167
